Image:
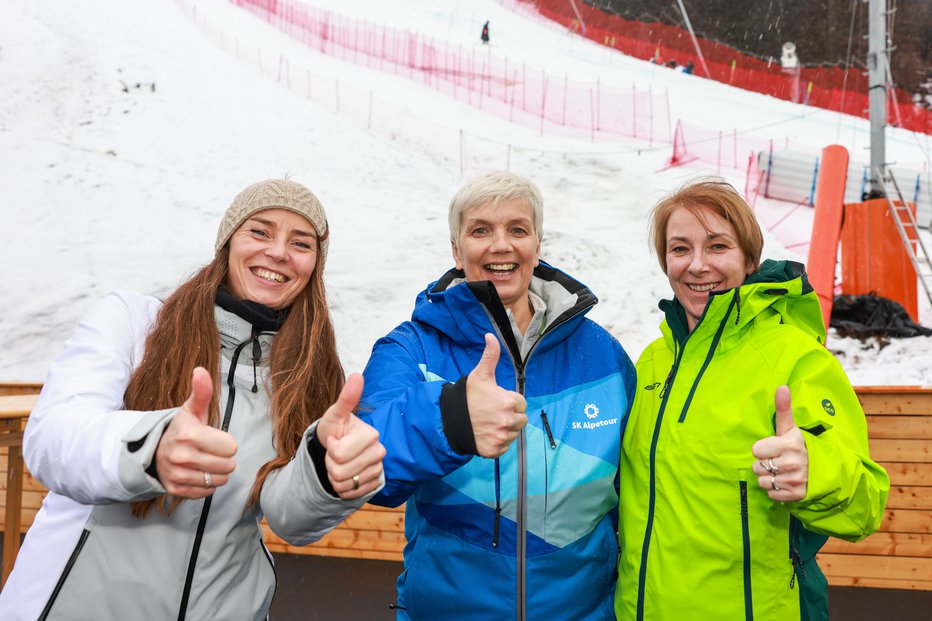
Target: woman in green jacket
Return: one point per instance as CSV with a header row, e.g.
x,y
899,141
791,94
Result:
x,y
729,488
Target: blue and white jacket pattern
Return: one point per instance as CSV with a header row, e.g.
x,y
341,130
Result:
x,y
557,484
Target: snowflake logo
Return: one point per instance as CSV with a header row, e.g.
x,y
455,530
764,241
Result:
x,y
591,410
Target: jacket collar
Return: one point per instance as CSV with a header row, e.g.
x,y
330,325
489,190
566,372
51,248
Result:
x,y
465,311
778,288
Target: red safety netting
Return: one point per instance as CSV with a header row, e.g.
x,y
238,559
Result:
x,y
546,103
831,88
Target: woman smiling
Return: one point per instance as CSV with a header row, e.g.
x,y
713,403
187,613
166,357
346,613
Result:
x,y
729,488
158,476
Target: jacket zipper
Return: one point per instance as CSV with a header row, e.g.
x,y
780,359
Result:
x,y
498,503
553,446
652,494
795,559
205,511
521,521
64,574
708,358
746,545
521,509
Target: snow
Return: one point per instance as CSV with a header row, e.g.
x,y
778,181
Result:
x,y
108,185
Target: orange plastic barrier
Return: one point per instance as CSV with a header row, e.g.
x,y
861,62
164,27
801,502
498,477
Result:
x,y
873,257
829,202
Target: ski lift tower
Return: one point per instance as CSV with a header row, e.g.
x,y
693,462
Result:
x,y
877,64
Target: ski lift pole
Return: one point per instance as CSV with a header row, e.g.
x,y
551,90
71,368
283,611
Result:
x,y
695,41
582,24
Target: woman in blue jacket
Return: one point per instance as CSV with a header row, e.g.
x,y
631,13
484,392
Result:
x,y
502,409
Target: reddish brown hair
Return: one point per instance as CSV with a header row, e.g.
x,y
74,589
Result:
x,y
724,201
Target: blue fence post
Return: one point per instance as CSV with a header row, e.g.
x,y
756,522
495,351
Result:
x,y
815,176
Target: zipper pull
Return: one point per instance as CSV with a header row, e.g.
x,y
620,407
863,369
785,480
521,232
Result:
x,y
797,562
666,382
498,515
543,418
256,356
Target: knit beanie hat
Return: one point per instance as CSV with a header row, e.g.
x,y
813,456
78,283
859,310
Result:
x,y
271,194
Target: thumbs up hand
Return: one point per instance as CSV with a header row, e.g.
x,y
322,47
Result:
x,y
782,462
192,457
354,453
496,414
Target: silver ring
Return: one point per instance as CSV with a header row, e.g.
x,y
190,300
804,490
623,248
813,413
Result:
x,y
773,482
356,482
208,482
768,466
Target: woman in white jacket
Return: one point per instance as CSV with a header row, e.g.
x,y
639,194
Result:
x,y
153,510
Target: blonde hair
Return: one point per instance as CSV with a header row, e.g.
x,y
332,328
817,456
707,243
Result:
x,y
722,199
494,188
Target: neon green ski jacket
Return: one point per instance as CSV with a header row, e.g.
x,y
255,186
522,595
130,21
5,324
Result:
x,y
699,538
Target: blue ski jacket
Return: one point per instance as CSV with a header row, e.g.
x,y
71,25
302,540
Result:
x,y
532,534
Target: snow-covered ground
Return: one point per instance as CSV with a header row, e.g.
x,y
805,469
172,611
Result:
x,y
127,127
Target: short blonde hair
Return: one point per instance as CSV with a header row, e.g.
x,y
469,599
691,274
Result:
x,y
494,188
722,199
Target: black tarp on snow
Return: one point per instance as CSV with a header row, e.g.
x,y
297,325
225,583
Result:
x,y
871,315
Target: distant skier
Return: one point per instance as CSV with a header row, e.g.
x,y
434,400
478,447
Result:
x,y
485,33
689,66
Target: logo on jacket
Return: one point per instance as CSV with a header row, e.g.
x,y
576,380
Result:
x,y
828,407
591,411
653,386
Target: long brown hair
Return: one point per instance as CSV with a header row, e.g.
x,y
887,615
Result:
x,y
305,371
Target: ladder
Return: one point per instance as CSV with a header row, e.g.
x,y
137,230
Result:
x,y
909,231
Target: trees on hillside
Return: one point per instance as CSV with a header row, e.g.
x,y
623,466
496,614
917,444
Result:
x,y
826,32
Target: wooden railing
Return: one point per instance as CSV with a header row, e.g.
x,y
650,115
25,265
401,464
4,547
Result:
x,y
899,555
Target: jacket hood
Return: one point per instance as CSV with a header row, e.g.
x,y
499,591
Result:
x,y
777,288
466,311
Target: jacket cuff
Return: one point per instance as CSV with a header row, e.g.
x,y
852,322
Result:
x,y
318,454
136,463
454,412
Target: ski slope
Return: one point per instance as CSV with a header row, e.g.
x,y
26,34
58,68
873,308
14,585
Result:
x,y
127,128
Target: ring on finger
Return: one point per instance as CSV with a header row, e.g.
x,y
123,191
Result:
x,y
769,467
356,481
773,483
208,480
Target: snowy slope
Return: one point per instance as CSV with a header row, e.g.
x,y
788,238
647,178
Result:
x,y
109,185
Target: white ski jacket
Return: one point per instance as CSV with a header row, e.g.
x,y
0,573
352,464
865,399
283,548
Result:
x,y
86,556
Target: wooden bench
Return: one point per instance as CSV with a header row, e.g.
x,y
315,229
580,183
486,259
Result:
x,y
898,556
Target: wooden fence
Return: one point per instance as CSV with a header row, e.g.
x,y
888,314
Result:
x,y
898,556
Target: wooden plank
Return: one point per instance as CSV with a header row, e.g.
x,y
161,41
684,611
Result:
x,y
364,554
881,543
896,401
907,521
399,509
909,474
859,565
376,520
909,497
348,538
363,539
894,427
880,583
20,388
918,451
